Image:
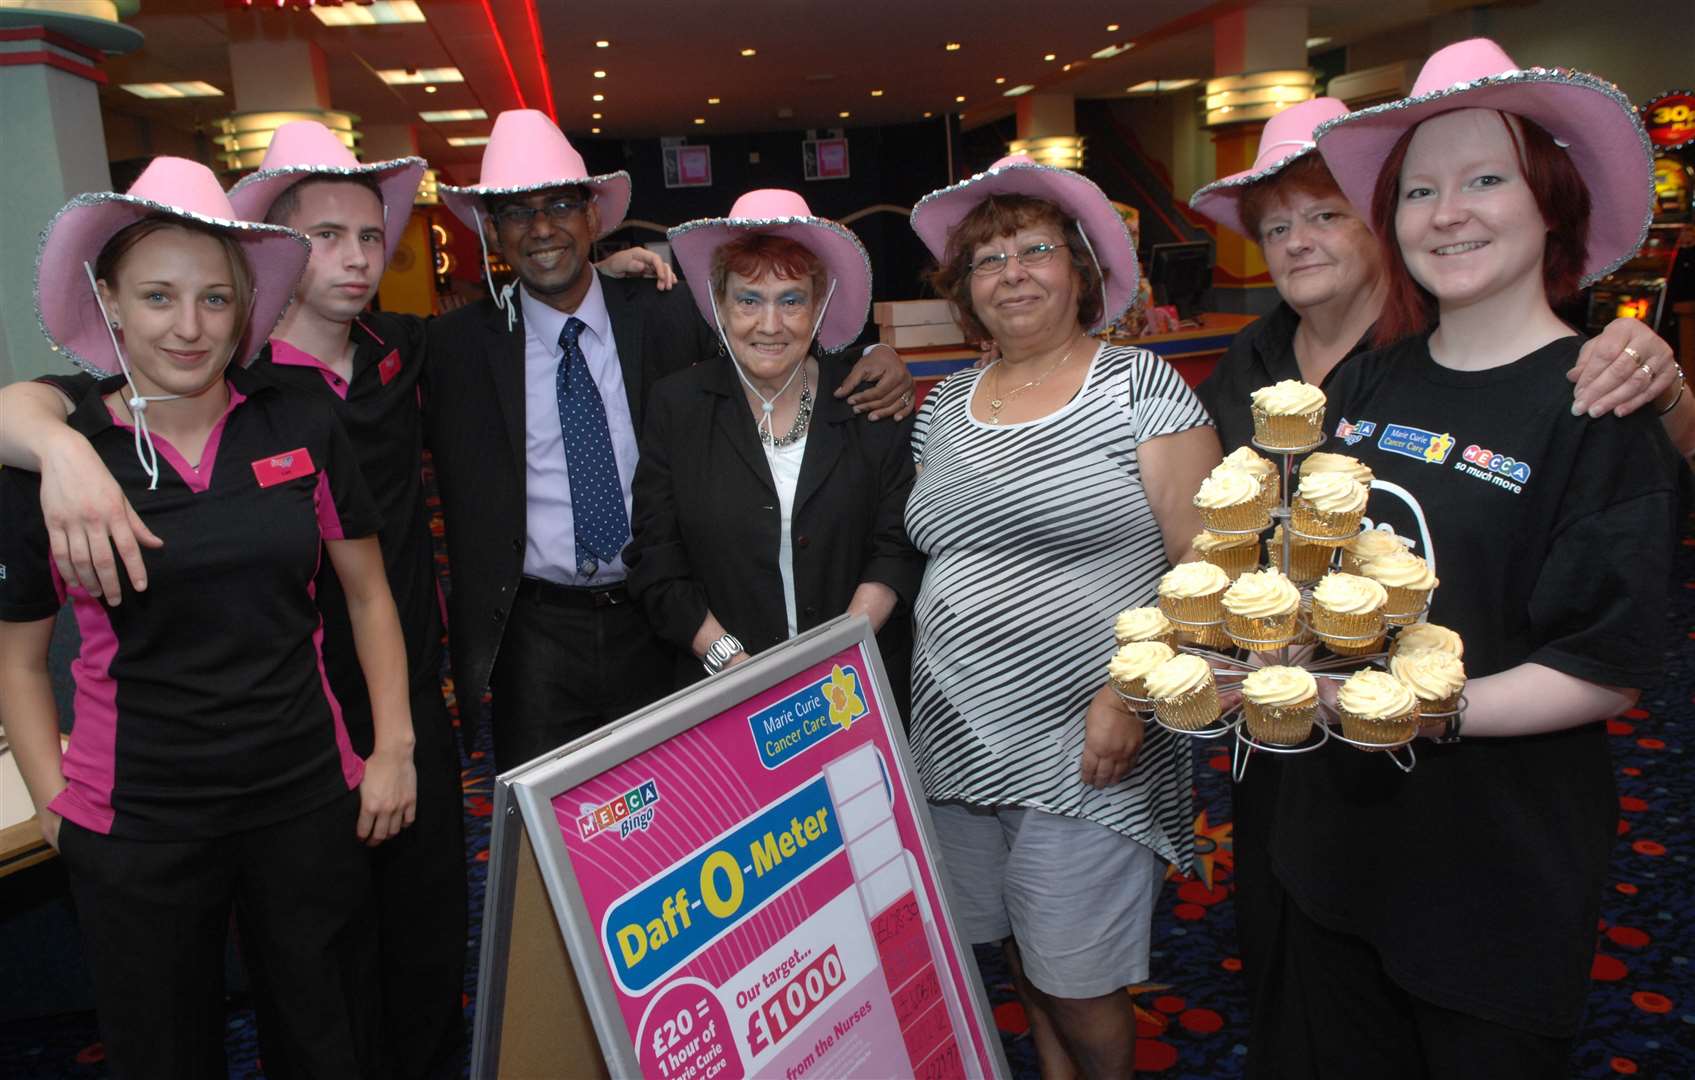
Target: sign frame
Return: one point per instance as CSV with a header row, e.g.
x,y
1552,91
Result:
x,y
525,822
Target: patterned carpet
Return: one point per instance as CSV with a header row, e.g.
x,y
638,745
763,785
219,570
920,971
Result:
x,y
1191,1022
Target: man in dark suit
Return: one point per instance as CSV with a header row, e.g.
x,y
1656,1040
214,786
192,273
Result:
x,y
533,401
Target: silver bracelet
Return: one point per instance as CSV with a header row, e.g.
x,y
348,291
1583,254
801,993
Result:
x,y
1682,385
718,653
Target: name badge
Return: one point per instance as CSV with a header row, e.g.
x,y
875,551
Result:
x,y
389,366
282,468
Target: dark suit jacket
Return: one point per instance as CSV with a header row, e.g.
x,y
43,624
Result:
x,y
706,519
474,423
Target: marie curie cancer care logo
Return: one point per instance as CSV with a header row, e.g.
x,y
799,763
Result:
x,y
628,813
803,719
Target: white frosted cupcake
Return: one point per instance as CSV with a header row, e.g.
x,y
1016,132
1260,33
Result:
x,y
1261,469
1376,707
1307,562
1408,581
1183,692
1288,415
1234,554
1425,635
1262,610
1368,545
1279,704
1143,624
1351,467
1191,591
1230,501
1435,678
1347,613
1327,508
1131,664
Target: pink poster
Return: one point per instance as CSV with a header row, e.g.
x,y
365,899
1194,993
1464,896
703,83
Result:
x,y
763,901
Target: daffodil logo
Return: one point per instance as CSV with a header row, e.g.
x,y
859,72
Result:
x,y
841,690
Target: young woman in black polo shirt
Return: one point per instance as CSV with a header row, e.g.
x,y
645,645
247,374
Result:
x,y
209,769
1443,921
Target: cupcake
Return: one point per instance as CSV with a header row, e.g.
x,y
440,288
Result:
x,y
1230,501
1288,415
1351,467
1327,508
1425,635
1279,704
1143,624
1368,545
1408,581
1347,613
1190,593
1376,707
1435,678
1131,664
1271,489
1262,610
1307,562
1183,692
1234,554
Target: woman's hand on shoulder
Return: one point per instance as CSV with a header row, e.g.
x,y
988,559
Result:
x,y
1112,737
1627,367
638,262
890,393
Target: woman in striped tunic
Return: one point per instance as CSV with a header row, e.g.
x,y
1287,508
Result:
x,y
1053,491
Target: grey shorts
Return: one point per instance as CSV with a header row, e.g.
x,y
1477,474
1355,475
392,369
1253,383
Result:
x,y
1076,896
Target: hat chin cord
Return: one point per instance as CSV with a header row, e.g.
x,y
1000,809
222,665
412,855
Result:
x,y
145,452
1099,272
502,297
769,404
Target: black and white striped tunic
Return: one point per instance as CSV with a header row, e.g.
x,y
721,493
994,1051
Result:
x,y
1037,535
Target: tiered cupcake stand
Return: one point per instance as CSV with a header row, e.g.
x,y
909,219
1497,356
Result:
x,y
1208,639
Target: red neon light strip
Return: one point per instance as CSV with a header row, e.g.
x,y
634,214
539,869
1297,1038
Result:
x,y
505,57
53,60
541,60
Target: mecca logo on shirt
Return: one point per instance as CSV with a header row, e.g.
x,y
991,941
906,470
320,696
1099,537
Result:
x,y
628,813
1353,431
281,468
389,366
1417,443
1504,472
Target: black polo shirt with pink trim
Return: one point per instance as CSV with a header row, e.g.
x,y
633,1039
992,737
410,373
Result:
x,y
202,705
379,410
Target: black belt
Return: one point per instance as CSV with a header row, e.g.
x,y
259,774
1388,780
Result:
x,y
577,596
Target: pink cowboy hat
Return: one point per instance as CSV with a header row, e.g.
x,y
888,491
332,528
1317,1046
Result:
x,y
1287,138
169,187
526,152
1588,115
1104,231
306,148
783,213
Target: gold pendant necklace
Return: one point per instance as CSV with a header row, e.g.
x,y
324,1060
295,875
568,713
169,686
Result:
x,y
996,404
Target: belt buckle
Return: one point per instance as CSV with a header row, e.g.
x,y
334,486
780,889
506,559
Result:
x,y
607,597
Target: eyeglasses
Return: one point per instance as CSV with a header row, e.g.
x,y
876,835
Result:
x,y
1031,258
558,212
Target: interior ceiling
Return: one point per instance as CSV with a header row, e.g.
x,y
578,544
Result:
x,y
815,59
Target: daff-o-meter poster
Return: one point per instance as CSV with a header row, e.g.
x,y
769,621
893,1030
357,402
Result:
x,y
760,891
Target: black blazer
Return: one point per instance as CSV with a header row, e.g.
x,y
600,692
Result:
x,y
706,519
474,424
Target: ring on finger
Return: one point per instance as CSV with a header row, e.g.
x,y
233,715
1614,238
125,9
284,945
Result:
x,y
1632,353
1646,371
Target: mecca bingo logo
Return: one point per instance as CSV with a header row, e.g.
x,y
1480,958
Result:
x,y
629,812
805,718
1352,431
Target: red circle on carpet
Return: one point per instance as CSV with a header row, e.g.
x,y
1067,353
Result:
x,y
1631,803
1619,727
1650,1002
1623,1066
1201,1021
1628,936
1651,744
1607,968
1231,963
1170,1003
1154,1056
1626,888
1190,912
1197,893
1648,847
1010,1018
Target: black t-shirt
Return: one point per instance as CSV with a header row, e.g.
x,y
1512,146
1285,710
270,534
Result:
x,y
201,705
1477,876
1261,353
379,409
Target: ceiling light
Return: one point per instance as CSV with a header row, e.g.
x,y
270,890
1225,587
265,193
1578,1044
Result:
x,y
1050,57
413,76
1112,28
379,13
960,99
600,74
429,89
1160,86
1067,67
594,131
599,97
603,44
1315,42
596,116
750,52
700,119
713,100
876,93
928,115
1000,80
952,46
844,114
1061,151
173,90
1112,50
1021,88
468,140
448,116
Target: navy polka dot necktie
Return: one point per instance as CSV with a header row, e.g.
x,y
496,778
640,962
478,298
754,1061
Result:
x,y
597,497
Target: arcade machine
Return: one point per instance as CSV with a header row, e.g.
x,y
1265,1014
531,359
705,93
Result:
x,y
1661,275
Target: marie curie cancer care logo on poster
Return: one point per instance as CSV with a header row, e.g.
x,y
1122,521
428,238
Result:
x,y
630,812
789,727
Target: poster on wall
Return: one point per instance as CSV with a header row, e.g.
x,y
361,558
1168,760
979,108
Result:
x,y
1670,120
745,881
825,159
688,166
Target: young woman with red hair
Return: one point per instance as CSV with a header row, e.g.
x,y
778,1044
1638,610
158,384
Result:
x,y
1457,938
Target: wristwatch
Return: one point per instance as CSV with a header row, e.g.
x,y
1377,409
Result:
x,y
719,652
